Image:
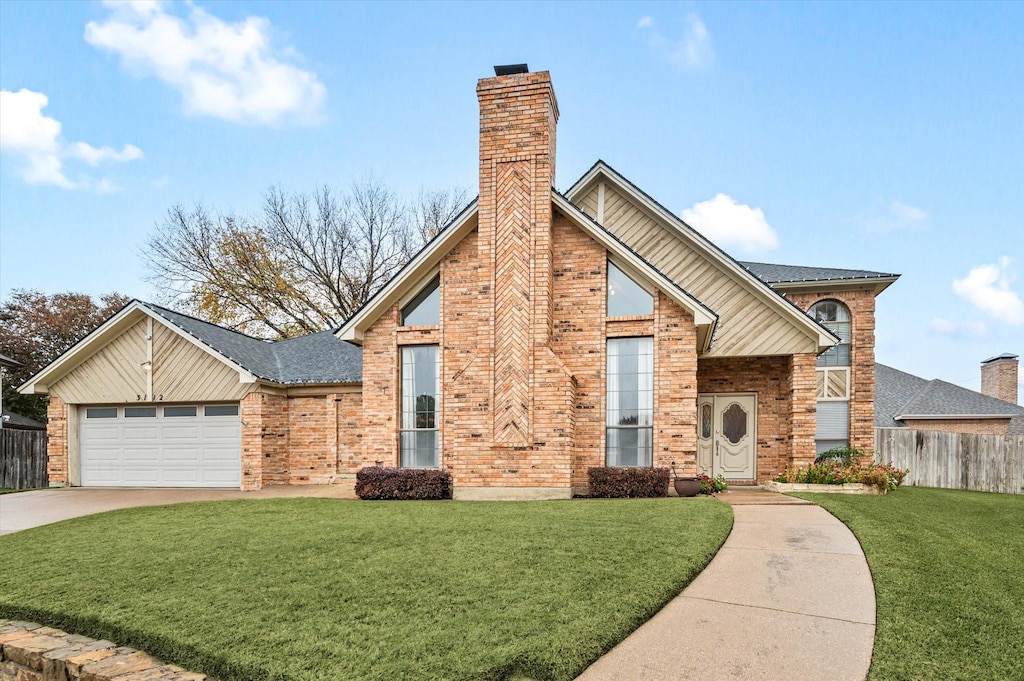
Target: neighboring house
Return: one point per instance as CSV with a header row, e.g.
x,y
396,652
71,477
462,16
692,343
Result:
x,y
19,422
538,335
903,400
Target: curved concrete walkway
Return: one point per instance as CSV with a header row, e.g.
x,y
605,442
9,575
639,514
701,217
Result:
x,y
789,596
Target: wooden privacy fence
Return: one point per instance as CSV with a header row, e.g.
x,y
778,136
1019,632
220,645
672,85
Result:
x,y
987,463
22,459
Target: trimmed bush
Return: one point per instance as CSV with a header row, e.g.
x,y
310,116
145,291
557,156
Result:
x,y
633,483
380,483
843,455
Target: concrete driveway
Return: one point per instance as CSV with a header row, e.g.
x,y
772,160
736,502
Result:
x,y
23,510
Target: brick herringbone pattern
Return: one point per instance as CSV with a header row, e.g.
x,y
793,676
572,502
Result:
x,y
512,343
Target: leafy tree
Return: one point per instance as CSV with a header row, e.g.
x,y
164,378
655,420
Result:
x,y
36,328
305,263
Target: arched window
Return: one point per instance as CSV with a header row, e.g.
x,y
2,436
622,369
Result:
x,y
835,317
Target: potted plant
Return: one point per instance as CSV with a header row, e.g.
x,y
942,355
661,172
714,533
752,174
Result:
x,y
685,487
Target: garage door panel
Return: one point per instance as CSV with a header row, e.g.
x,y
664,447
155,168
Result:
x,y
184,454
224,478
181,432
161,451
136,454
134,433
140,477
221,431
222,455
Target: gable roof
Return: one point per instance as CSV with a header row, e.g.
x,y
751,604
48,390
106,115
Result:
x,y
602,172
313,358
317,358
794,276
424,262
900,396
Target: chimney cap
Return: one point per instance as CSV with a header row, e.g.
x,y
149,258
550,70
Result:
x,y
511,69
1005,355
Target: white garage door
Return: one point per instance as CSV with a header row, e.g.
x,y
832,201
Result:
x,y
161,446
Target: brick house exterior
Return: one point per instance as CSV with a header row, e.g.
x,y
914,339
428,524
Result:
x,y
523,376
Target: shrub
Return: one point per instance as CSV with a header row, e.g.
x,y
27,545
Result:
x,y
843,455
634,483
380,483
709,485
834,473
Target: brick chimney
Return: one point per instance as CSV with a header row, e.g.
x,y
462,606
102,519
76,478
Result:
x,y
999,377
518,114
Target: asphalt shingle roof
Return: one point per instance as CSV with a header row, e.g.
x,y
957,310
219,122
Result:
x,y
898,393
778,274
314,358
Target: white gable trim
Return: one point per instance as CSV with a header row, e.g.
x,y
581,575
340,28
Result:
x,y
603,173
95,341
416,270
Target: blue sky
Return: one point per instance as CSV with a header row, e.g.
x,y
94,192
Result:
x,y
886,136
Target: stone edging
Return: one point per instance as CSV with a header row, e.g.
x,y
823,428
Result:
x,y
31,652
847,488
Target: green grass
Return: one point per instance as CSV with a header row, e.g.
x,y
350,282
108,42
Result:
x,y
948,568
326,589
4,490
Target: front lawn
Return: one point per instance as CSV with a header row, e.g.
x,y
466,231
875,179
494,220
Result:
x,y
326,589
948,568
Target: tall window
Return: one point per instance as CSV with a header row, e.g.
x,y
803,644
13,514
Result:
x,y
425,308
421,381
833,409
630,408
625,296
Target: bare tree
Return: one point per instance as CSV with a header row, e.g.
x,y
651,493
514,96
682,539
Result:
x,y
435,208
305,264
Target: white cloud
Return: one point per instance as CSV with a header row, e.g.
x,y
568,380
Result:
x,y
729,223
34,138
988,288
225,70
692,50
899,217
93,156
944,327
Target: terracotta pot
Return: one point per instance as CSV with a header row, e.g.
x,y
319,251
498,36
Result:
x,y
687,487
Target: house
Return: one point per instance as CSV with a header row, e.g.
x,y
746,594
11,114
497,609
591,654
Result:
x,y
538,335
19,422
907,401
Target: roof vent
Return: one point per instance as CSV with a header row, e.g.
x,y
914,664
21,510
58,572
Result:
x,y
511,69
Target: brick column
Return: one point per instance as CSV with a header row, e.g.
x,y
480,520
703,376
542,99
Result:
x,y
802,408
57,464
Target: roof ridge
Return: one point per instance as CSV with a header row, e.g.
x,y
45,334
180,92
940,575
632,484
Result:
x,y
203,321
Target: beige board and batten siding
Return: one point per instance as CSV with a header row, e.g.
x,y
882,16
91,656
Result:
x,y
747,325
182,372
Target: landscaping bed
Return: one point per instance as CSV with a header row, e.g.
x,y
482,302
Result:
x,y
317,588
947,571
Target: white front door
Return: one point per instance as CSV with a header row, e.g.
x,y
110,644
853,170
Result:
x,y
727,435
